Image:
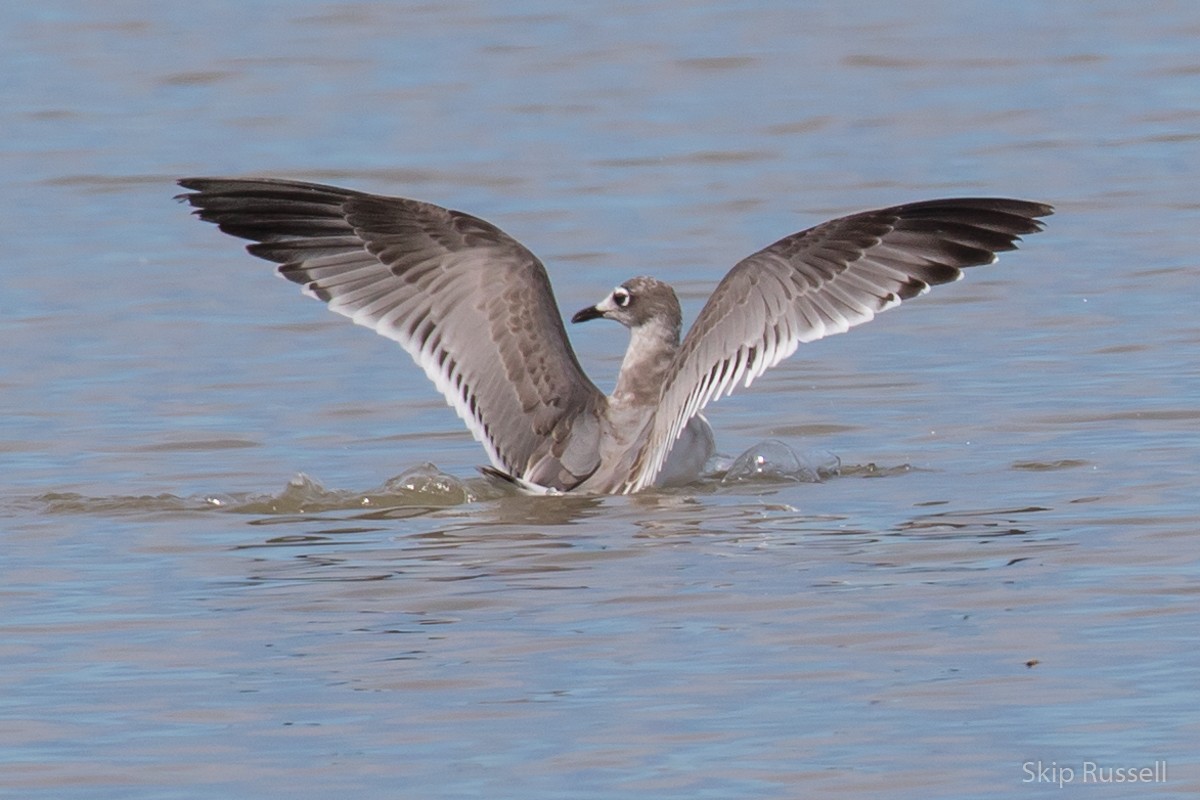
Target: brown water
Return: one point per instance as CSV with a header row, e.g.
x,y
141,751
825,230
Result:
x,y
1005,573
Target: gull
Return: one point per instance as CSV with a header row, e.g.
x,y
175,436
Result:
x,y
474,309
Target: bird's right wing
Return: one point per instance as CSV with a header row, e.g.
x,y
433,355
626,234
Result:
x,y
470,304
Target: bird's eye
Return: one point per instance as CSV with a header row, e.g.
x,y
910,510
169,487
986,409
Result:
x,y
620,297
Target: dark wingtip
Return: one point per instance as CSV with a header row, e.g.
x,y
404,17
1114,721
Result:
x,y
184,197
1035,210
196,187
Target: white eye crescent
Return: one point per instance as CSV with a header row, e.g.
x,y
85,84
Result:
x,y
620,296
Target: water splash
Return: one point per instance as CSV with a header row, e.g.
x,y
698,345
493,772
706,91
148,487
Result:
x,y
418,488
773,460
423,486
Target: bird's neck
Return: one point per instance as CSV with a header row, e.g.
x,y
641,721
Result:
x,y
647,362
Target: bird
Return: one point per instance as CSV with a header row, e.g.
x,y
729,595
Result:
x,y
475,310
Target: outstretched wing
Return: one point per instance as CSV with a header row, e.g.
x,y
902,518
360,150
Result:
x,y
470,304
819,282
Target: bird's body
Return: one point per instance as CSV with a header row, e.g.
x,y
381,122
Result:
x,y
475,310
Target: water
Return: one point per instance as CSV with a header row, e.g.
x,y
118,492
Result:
x,y
245,549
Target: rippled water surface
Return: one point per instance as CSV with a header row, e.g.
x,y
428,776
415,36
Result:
x,y
245,551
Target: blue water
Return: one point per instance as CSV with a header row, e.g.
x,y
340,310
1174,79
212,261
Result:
x,y
245,551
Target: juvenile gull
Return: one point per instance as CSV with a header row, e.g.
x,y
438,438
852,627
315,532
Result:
x,y
474,309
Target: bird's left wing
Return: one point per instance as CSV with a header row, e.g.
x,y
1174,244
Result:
x,y
819,282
